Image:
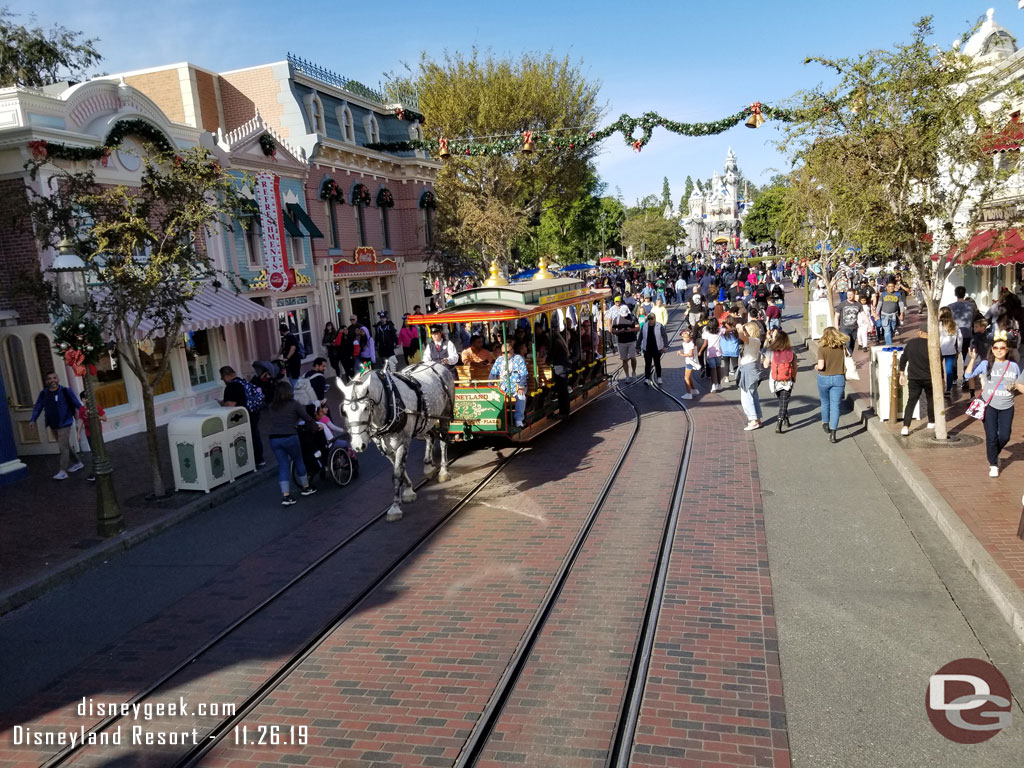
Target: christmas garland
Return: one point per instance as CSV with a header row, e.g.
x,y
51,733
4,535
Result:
x,y
43,149
330,190
384,199
80,341
268,145
625,125
428,200
360,195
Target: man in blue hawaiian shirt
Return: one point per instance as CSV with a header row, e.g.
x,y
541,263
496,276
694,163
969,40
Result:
x,y
512,379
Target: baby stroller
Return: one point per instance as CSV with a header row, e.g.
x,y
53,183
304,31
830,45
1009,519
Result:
x,y
326,453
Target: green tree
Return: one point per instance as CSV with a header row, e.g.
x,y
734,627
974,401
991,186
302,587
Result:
x,y
666,194
485,203
145,245
648,232
33,57
761,224
907,129
611,217
570,229
684,203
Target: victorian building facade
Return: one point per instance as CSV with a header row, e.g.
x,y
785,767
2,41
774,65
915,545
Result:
x,y
352,224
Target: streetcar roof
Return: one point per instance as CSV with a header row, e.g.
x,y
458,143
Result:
x,y
512,301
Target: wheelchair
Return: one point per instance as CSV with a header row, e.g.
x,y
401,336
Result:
x,y
334,460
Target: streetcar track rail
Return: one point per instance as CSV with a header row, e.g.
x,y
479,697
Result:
x,y
623,735
69,752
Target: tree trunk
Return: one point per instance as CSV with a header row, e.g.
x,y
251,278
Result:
x,y
935,365
152,443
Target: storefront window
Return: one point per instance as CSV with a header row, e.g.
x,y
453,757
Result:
x,y
360,286
153,352
197,352
297,319
110,390
21,391
254,243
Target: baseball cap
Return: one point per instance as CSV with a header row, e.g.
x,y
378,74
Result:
x,y
618,298
382,313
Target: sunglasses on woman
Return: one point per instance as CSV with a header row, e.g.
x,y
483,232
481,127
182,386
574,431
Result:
x,y
1000,349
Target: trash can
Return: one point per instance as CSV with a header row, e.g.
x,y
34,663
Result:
x,y
819,317
198,444
238,438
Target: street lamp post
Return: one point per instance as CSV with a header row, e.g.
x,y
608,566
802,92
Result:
x,y
72,290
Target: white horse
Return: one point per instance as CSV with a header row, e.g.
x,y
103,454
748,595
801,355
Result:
x,y
393,408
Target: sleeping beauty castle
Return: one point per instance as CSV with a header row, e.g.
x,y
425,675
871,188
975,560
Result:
x,y
716,214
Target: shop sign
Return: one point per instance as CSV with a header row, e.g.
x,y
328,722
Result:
x,y
362,261
279,277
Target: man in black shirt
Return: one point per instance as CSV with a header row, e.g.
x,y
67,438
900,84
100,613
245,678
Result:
x,y
385,339
915,375
846,320
290,353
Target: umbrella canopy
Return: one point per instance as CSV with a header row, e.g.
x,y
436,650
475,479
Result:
x,y
577,267
526,274
609,260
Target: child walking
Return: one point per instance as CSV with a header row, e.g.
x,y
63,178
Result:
x,y
688,352
781,363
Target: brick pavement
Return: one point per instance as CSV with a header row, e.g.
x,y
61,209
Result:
x,y
406,679
566,703
713,697
235,668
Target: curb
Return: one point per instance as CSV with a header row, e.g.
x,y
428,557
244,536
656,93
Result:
x,y
27,591
1006,596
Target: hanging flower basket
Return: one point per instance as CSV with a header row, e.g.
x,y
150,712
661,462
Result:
x,y
330,190
268,145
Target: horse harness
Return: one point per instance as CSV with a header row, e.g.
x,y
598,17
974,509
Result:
x,y
397,412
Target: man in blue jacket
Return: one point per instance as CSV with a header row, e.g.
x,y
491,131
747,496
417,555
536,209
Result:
x,y
59,406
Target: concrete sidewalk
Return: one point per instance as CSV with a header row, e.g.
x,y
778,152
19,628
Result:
x,y
978,514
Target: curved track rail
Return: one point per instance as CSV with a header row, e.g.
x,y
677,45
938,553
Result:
x,y
71,752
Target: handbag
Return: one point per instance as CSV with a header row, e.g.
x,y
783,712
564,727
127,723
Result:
x,y
850,367
977,408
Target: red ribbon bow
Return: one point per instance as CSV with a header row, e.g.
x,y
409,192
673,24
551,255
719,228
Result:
x,y
755,108
38,148
638,145
76,361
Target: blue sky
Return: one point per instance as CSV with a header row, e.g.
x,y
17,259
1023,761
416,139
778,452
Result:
x,y
686,60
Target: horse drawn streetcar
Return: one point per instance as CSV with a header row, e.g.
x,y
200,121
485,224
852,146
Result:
x,y
533,315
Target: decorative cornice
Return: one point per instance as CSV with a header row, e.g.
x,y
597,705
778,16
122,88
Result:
x,y
252,130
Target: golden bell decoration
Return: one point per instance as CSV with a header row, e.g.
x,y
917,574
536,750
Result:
x,y
444,154
542,270
495,279
527,142
756,119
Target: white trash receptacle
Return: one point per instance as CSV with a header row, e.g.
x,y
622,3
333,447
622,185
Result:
x,y
238,438
819,317
198,444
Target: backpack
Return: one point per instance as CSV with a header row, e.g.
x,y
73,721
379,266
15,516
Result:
x,y
782,367
304,394
254,400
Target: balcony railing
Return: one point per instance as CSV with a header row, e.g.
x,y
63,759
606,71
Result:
x,y
406,98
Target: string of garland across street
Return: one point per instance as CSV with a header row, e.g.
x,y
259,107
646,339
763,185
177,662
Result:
x,y
527,141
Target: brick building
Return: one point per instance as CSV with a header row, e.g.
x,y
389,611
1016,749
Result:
x,y
374,227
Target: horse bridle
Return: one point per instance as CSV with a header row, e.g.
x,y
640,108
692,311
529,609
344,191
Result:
x,y
387,385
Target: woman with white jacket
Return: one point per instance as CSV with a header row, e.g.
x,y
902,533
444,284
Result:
x,y
951,341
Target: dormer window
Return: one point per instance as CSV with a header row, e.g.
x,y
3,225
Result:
x,y
372,129
346,124
315,112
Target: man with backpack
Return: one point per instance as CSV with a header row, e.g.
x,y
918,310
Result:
x,y
238,391
59,405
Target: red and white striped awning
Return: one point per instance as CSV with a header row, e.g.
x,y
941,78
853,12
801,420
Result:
x,y
214,308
